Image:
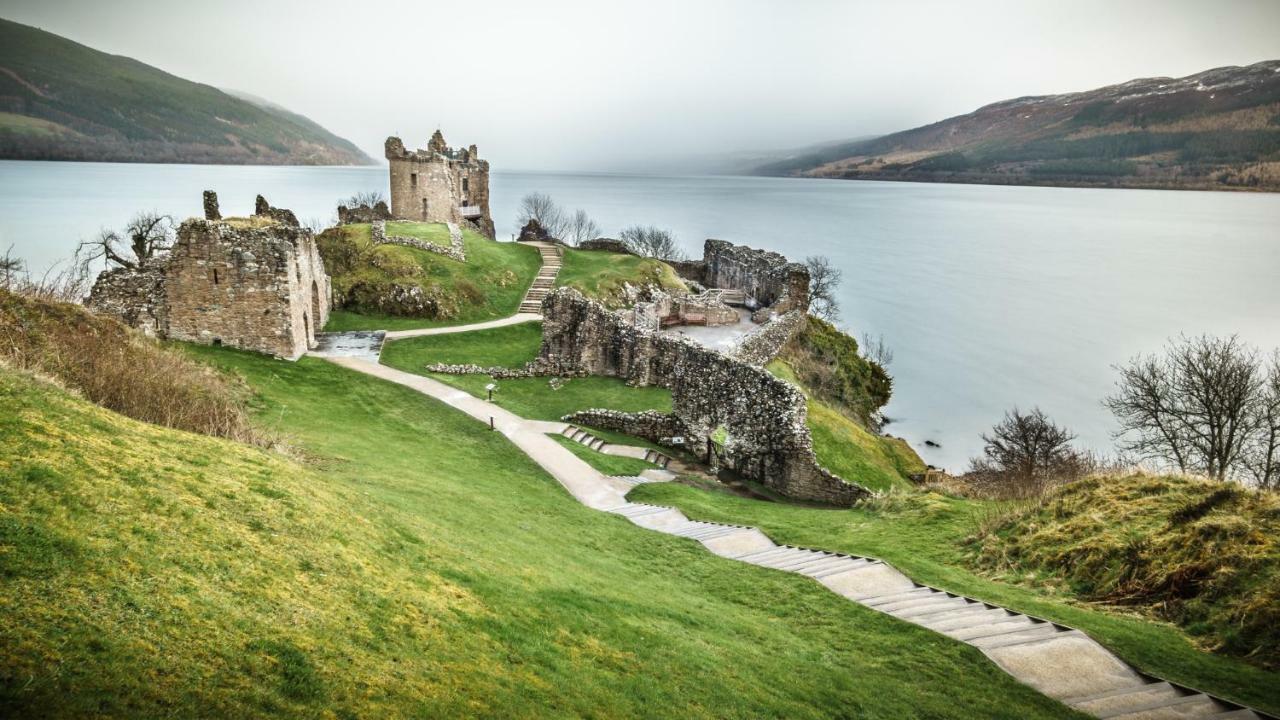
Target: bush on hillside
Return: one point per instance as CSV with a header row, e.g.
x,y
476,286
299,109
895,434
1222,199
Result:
x,y
827,362
1200,554
119,368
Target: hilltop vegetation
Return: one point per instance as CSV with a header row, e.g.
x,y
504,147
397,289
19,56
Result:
x,y
60,100
1218,129
602,275
389,287
1200,554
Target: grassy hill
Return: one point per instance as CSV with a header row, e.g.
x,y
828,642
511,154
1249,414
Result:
x,y
416,565
1218,129
60,100
391,287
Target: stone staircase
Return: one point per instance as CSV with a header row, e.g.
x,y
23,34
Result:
x,y
583,437
1060,661
552,259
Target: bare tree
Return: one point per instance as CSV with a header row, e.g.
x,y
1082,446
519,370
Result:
x,y
148,234
1025,451
1196,408
652,242
368,198
10,268
824,279
579,228
876,350
1263,454
540,207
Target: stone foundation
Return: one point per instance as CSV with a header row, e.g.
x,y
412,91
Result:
x,y
661,428
363,214
456,250
764,417
772,284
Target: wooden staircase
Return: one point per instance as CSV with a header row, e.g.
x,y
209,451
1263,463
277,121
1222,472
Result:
x,y
545,282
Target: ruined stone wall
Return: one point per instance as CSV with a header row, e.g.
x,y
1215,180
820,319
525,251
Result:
x,y
764,417
766,276
261,288
763,345
649,424
433,185
256,289
363,213
134,296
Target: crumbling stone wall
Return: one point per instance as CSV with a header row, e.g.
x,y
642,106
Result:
x,y
763,345
764,417
263,209
607,245
363,213
775,284
255,287
651,425
436,184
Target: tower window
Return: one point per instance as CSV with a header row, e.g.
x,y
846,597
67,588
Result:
x,y
413,180
464,184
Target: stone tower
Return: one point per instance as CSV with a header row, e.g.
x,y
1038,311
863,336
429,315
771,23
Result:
x,y
439,184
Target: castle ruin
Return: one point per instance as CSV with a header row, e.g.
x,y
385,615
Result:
x,y
439,184
254,283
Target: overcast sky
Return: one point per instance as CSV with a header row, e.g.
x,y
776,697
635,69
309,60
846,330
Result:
x,y
562,84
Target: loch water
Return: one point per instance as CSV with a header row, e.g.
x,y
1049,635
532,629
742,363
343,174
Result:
x,y
990,297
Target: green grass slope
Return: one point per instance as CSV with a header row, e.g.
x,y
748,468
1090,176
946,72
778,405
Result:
x,y
1201,554
928,536
417,566
83,104
601,275
489,285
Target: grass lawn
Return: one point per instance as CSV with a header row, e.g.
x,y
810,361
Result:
x,y
489,285
607,464
437,233
511,346
532,398
923,535
417,565
601,275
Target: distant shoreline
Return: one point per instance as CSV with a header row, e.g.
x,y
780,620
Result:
x,y
1027,182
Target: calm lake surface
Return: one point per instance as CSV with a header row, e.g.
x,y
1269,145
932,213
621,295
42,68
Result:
x,y
990,297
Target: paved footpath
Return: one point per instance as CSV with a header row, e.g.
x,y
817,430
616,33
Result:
x,y
1059,661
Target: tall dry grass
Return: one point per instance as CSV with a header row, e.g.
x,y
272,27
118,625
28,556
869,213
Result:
x,y
119,368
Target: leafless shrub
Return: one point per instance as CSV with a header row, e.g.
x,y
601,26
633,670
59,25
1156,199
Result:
x,y
580,228
11,268
1208,405
540,207
148,234
1024,454
367,198
824,279
651,242
876,350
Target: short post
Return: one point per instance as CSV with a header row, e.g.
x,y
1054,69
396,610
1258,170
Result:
x,y
491,427
490,387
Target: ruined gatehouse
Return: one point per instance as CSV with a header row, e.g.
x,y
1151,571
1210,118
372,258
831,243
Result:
x,y
255,283
439,184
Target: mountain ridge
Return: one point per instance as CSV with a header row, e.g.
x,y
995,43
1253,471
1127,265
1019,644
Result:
x,y
62,100
1217,129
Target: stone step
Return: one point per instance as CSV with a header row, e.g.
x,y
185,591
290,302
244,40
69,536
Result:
x,y
939,605
913,601
633,510
876,601
1195,705
1123,698
795,557
1015,623
755,557
1038,633
976,614
838,563
802,563
631,479
852,564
